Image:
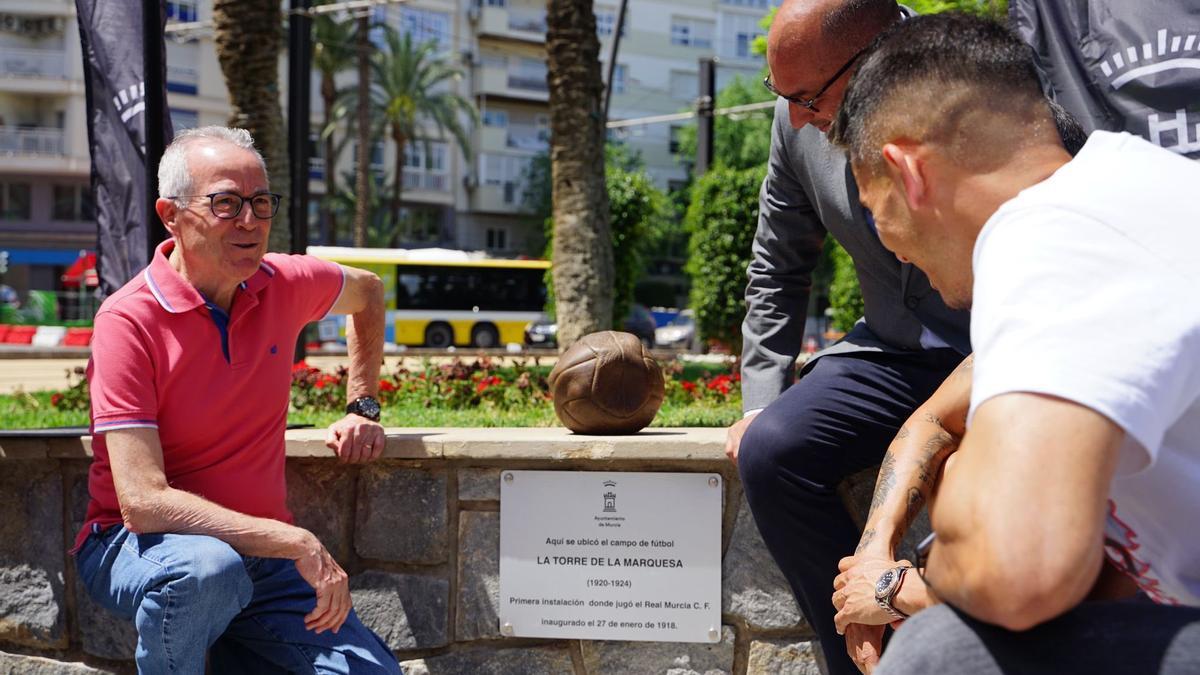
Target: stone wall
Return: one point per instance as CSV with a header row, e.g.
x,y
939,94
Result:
x,y
419,533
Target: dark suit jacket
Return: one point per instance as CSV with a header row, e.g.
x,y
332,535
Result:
x,y
809,190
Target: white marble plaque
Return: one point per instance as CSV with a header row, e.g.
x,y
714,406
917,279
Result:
x,y
611,555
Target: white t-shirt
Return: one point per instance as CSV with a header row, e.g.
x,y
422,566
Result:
x,y
1087,287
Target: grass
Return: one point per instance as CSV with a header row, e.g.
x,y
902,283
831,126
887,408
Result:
x,y
694,415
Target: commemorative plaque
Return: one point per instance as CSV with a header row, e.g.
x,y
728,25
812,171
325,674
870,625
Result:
x,y
611,555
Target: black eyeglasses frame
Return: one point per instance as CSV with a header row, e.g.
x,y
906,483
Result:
x,y
212,205
811,103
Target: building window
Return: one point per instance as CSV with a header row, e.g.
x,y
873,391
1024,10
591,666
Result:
x,y
15,202
425,165
742,47
183,11
738,32
507,172
541,126
497,238
425,26
756,4
619,74
495,118
692,32
496,3
184,119
73,202
606,22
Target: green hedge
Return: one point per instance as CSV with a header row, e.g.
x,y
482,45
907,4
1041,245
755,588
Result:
x,y
721,220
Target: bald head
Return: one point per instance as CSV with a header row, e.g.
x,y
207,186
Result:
x,y
816,31
811,40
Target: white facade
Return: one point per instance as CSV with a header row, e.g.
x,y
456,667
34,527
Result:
x,y
468,202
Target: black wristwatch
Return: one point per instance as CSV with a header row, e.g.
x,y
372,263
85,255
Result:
x,y
365,406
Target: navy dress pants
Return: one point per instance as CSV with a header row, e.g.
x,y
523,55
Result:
x,y
838,419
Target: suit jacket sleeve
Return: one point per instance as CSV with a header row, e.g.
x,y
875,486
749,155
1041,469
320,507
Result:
x,y
786,248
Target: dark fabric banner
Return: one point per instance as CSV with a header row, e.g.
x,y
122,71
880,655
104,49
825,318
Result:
x,y
111,37
1120,65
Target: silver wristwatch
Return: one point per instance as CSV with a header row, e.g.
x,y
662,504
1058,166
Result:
x,y
886,589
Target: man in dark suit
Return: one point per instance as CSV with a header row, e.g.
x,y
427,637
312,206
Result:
x,y
797,443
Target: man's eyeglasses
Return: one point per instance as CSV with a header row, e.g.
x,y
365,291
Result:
x,y
227,205
811,103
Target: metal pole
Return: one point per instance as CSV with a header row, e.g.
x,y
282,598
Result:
x,y
299,120
704,115
153,73
612,57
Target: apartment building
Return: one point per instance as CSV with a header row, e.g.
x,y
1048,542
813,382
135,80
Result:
x,y
451,198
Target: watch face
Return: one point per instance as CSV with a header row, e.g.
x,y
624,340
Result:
x,y
371,408
367,407
885,582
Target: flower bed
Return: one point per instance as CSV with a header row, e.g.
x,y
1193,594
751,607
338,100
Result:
x,y
479,392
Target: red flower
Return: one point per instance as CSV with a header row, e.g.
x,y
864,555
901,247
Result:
x,y
689,387
301,365
386,385
487,382
55,399
325,380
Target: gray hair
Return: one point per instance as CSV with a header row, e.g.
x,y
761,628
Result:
x,y
173,175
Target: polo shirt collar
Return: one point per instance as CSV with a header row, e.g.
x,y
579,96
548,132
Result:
x,y
176,295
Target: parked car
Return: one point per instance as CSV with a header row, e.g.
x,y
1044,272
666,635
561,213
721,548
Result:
x,y
541,332
679,332
544,332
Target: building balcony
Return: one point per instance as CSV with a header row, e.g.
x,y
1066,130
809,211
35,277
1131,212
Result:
x,y
33,63
525,84
32,142
518,23
425,181
183,79
528,138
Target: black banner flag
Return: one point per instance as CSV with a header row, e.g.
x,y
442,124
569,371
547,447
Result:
x,y
111,37
1120,65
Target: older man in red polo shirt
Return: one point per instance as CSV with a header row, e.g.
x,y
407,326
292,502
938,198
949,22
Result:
x,y
188,532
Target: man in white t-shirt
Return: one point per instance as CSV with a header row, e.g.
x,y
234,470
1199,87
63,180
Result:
x,y
1083,437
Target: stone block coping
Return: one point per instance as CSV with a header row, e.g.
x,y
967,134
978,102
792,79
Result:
x,y
492,443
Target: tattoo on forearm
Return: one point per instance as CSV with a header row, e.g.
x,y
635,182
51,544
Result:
x,y
916,499
865,541
887,481
903,433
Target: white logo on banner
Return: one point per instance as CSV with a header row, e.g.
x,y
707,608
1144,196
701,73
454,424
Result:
x,y
130,100
1169,52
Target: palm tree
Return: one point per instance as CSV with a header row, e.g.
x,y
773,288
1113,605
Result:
x,y
332,54
248,35
409,93
362,166
583,255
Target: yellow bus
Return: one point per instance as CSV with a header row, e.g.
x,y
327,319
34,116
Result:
x,y
440,298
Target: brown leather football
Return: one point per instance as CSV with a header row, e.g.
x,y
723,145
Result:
x,y
606,383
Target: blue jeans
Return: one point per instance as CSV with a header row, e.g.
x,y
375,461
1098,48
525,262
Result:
x,y
192,594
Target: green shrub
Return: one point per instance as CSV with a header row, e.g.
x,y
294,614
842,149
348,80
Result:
x,y
845,296
721,219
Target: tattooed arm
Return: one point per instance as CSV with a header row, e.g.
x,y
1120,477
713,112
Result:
x,y
910,467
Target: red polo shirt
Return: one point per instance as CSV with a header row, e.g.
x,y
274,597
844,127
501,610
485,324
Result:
x,y
215,387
